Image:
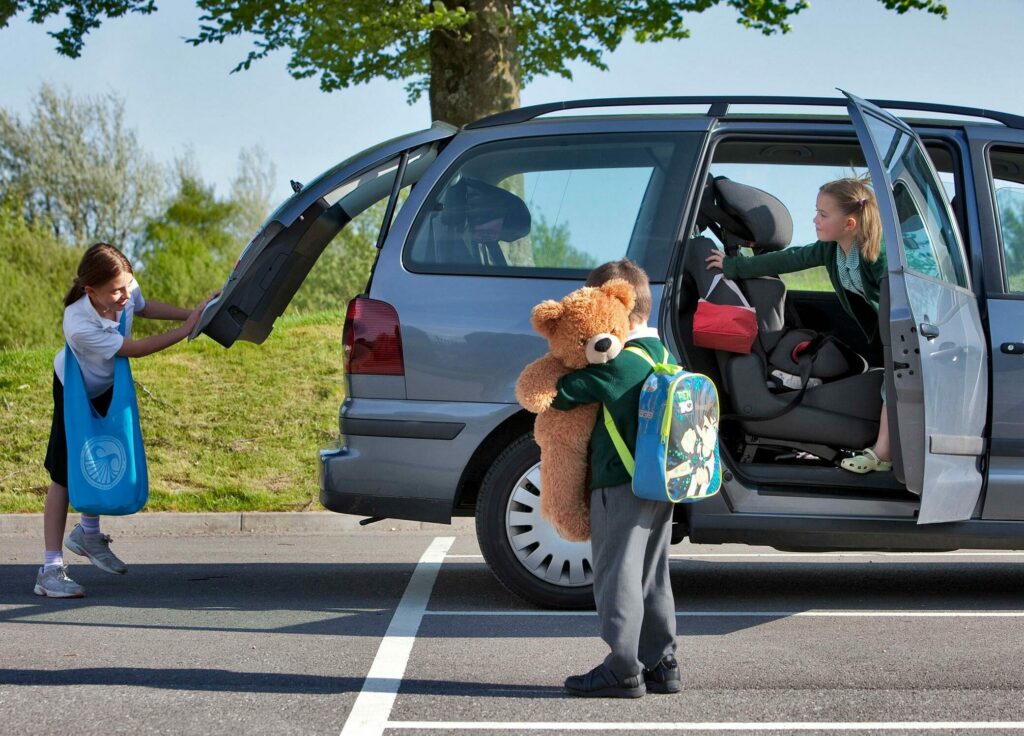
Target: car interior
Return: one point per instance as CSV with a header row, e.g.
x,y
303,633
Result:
x,y
505,203
769,432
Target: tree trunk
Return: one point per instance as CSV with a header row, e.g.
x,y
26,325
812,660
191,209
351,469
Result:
x,y
479,75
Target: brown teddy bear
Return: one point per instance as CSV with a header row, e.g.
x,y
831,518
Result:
x,y
589,325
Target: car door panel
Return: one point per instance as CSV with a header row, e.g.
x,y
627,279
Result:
x,y
938,347
997,160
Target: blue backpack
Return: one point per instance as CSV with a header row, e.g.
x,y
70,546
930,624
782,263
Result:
x,y
677,456
107,472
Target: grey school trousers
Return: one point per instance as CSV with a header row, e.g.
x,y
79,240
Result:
x,y
630,540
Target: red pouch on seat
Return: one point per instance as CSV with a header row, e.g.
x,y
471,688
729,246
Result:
x,y
724,326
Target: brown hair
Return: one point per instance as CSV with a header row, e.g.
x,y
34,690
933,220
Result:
x,y
627,270
100,264
855,199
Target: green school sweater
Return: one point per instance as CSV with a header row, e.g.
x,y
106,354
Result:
x,y
617,385
817,254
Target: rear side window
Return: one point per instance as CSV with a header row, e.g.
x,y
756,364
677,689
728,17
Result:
x,y
1007,167
556,206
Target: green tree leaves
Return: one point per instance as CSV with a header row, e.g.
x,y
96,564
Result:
x,y
75,165
552,247
189,249
442,45
82,16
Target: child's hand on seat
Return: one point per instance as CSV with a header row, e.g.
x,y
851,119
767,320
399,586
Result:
x,y
715,260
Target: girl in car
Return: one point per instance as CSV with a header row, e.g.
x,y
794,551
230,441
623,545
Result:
x,y
849,246
103,290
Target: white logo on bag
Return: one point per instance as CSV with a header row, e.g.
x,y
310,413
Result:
x,y
103,461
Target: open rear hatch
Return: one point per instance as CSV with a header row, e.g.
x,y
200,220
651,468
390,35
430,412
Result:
x,y
277,260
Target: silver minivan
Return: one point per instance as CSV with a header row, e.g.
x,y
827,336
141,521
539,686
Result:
x,y
482,223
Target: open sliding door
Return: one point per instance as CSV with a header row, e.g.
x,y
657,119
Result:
x,y
938,385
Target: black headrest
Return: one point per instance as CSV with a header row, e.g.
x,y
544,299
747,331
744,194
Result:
x,y
471,203
746,213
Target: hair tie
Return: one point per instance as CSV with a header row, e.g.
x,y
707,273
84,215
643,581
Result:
x,y
862,202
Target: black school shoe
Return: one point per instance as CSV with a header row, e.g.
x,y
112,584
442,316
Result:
x,y
600,682
664,677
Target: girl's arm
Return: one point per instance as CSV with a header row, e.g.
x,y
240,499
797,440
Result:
x,y
155,343
159,310
772,264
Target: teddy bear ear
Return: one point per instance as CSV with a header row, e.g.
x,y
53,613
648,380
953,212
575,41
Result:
x,y
622,290
545,316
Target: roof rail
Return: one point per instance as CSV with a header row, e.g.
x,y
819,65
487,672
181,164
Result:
x,y
718,106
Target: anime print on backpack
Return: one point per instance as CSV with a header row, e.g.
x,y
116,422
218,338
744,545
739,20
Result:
x,y
677,457
686,464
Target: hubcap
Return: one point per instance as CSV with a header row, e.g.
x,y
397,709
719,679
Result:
x,y
537,545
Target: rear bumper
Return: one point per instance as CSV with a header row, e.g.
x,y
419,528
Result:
x,y
402,459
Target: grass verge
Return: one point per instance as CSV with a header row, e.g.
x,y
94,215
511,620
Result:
x,y
225,430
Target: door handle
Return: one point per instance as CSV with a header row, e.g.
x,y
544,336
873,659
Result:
x,y
928,330
1012,348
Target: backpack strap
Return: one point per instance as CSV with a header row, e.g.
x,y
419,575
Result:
x,y
620,444
609,424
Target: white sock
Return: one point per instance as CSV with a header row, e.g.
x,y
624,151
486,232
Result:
x,y
90,524
53,558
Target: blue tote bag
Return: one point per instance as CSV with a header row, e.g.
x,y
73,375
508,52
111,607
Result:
x,y
106,460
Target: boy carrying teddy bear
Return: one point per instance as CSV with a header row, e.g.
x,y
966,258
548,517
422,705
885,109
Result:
x,y
629,536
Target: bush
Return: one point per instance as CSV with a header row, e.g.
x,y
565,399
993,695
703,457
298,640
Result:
x,y
343,269
36,271
188,251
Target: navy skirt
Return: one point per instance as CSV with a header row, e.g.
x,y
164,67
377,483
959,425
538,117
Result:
x,y
56,461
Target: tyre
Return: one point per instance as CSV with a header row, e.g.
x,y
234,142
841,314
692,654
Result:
x,y
522,549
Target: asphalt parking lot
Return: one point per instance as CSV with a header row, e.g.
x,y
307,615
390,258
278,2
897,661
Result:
x,y
370,632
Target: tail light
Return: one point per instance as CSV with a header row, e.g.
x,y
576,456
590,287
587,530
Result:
x,y
372,338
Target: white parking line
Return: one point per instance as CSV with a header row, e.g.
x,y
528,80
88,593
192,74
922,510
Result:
x,y
854,613
727,726
370,713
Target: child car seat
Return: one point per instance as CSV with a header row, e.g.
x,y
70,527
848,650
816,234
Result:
x,y
840,413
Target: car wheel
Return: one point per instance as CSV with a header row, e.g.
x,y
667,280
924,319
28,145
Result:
x,y
522,549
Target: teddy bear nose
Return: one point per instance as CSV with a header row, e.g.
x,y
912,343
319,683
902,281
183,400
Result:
x,y
603,345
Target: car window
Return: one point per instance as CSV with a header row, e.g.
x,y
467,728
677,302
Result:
x,y
1007,170
555,206
917,246
930,239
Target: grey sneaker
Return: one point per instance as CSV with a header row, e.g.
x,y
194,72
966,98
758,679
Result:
x,y
97,548
55,583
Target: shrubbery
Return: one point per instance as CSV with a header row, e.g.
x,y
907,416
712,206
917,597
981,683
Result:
x,y
183,245
35,273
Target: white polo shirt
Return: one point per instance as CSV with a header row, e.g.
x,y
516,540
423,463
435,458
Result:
x,y
95,340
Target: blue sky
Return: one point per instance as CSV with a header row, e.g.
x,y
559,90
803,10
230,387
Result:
x,y
178,97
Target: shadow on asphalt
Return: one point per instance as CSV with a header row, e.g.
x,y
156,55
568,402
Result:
x,y
358,599
210,680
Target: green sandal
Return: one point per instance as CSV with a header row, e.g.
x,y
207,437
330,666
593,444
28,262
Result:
x,y
865,462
